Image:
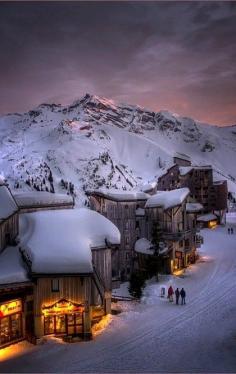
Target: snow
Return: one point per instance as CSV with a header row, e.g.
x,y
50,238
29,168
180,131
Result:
x,y
144,246
194,207
167,199
182,156
140,212
207,217
7,203
184,170
61,241
42,198
147,187
122,195
156,335
12,269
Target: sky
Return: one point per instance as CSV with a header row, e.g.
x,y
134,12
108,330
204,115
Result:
x,y
176,56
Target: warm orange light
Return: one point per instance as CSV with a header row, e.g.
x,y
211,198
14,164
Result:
x,y
101,325
62,307
13,306
212,224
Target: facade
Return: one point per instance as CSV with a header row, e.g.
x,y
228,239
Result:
x,y
126,211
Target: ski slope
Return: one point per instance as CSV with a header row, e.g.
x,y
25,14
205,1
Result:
x,y
155,335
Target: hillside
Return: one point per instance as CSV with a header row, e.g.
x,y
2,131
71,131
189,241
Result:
x,y
97,143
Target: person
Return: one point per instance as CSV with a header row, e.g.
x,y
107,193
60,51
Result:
x,y
183,295
232,230
170,294
228,230
177,295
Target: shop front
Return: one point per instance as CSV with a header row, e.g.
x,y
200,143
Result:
x,y
178,260
63,318
11,327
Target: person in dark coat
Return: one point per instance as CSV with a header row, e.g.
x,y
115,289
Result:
x,y
177,296
170,293
232,230
183,295
228,230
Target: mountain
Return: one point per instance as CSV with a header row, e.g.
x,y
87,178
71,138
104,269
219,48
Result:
x,y
97,143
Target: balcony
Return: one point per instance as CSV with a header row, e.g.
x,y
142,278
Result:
x,y
176,236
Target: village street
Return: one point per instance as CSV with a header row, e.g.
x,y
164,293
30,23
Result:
x,y
156,335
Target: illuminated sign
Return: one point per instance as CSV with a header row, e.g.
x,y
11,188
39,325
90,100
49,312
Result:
x,y
10,308
63,307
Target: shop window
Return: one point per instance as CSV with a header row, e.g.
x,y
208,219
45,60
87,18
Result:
x,y
55,285
49,325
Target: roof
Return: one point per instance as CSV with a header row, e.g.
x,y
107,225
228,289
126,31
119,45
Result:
x,y
7,203
182,156
194,207
37,199
144,246
183,170
12,269
207,217
120,195
60,242
168,199
146,187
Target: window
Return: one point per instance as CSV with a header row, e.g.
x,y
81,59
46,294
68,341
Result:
x,y
55,285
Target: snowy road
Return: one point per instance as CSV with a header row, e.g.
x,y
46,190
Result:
x,y
156,336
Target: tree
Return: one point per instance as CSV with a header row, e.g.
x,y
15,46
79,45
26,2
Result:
x,y
136,284
153,263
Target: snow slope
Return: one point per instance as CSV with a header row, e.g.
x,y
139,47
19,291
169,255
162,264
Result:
x,y
155,335
96,143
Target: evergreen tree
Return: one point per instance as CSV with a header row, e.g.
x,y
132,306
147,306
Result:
x,y
136,284
153,263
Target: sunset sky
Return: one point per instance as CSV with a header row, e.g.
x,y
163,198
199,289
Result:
x,y
179,56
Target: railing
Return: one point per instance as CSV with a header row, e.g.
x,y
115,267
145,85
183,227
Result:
x,y
176,236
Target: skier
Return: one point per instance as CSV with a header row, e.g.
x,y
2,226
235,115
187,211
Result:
x,y
170,294
182,294
177,295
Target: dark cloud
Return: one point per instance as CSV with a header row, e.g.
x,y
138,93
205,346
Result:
x,y
167,55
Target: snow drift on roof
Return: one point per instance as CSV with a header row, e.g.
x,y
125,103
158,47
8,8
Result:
x,y
12,269
61,241
182,156
167,199
35,198
207,217
144,246
7,203
193,207
121,195
146,187
183,170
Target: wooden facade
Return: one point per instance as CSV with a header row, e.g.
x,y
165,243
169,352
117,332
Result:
x,y
9,229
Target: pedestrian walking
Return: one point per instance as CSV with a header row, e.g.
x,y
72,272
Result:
x,y
170,294
183,295
232,230
177,296
228,230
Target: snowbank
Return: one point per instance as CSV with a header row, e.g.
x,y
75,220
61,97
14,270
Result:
x,y
12,268
61,241
7,203
168,199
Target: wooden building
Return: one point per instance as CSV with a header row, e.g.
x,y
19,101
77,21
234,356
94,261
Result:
x,y
126,210
68,254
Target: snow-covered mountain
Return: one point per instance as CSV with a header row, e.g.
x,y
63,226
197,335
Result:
x,y
97,143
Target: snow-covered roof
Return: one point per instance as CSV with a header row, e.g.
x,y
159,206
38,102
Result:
x,y
144,246
207,217
42,198
7,203
182,156
146,187
61,241
121,195
140,212
193,207
12,269
168,199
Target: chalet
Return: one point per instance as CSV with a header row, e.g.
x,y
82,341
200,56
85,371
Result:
x,y
68,255
178,227
125,209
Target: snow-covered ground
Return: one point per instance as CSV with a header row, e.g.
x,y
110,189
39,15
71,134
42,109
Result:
x,y
155,335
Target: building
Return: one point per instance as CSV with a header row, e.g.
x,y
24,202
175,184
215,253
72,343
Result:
x,y
176,218
125,210
68,255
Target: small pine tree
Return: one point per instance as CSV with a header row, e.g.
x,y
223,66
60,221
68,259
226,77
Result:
x,y
153,264
136,284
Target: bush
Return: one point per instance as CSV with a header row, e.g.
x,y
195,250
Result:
x,y
136,284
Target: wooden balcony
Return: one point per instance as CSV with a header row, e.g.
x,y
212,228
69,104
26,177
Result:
x,y
175,236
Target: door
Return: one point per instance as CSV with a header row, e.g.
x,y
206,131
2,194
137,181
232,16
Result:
x,y
60,324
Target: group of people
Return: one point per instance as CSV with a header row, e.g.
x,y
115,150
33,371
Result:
x,y
178,294
230,230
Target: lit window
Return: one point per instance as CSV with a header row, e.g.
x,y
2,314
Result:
x,y
55,285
